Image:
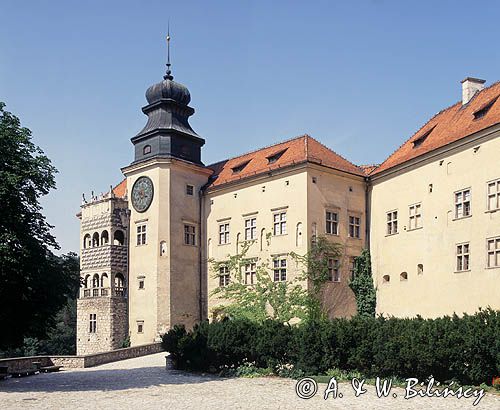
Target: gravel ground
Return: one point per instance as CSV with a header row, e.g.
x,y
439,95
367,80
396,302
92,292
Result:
x,y
143,383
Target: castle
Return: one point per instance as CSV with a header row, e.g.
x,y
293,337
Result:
x,y
429,215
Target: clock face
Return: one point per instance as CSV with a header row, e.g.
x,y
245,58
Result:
x,y
142,194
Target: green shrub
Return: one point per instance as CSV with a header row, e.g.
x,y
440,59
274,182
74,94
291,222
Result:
x,y
464,349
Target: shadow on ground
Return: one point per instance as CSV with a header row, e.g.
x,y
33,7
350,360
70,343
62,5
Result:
x,y
103,380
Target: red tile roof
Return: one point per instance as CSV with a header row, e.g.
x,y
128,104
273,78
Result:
x,y
449,125
294,151
121,189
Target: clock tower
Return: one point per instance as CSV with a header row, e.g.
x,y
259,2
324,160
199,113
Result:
x,y
165,179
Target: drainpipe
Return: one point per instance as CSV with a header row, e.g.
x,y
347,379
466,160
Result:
x,y
367,212
201,195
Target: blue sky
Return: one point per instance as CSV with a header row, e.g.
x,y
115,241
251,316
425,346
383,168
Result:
x,y
359,76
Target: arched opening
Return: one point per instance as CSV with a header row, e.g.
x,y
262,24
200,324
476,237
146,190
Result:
x,y
163,248
314,232
86,281
104,280
95,239
118,237
298,235
262,232
95,281
386,279
86,241
146,150
119,285
403,276
104,237
420,269
238,238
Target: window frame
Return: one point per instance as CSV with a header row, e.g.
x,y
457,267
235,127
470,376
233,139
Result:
x,y
391,223
462,257
141,234
140,326
462,203
224,233
280,269
496,194
495,252
189,234
250,228
224,276
331,222
250,270
189,190
356,227
280,224
93,323
333,265
416,217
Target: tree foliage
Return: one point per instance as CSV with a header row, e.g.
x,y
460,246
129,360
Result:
x,y
34,283
298,298
362,285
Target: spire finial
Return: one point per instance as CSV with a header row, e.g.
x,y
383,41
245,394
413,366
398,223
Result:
x,y
168,75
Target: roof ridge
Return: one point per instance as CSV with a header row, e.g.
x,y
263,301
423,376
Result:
x,y
258,149
333,151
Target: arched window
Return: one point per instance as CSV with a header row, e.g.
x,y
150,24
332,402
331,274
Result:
x,y
104,280
104,237
146,150
163,248
420,269
403,276
298,235
86,241
119,280
386,279
95,281
118,237
86,282
95,239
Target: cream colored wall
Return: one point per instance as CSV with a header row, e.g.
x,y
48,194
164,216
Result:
x,y
344,194
286,190
439,290
170,295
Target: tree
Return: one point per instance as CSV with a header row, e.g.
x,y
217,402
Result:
x,y
362,285
34,284
299,298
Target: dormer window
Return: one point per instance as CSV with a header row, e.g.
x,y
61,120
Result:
x,y
238,168
275,157
418,141
146,150
484,110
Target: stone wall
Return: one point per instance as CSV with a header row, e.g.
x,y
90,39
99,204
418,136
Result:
x,y
21,363
104,257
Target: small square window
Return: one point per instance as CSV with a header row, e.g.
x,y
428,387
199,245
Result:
x,y
146,150
190,190
140,326
141,283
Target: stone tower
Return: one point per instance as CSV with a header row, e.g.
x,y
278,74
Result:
x,y
102,307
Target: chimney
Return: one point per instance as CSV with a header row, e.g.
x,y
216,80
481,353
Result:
x,y
470,86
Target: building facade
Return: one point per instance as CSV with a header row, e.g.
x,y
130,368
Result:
x,y
427,214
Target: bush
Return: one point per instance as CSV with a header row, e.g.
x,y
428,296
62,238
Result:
x,y
464,349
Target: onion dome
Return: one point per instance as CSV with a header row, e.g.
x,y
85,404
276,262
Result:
x,y
168,90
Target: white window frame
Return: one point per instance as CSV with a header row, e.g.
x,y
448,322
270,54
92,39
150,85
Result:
x,y
250,273
354,228
493,252
279,223
392,222
141,324
224,233
250,228
280,267
189,234
415,216
463,208
462,257
493,195
332,222
141,234
224,276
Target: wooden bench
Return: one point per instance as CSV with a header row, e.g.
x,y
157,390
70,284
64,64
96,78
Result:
x,y
49,369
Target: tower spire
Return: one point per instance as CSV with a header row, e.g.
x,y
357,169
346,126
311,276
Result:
x,y
168,75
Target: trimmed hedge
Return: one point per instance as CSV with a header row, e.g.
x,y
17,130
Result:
x,y
465,349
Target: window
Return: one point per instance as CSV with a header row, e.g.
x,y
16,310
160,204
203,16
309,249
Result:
x,y
484,110
463,257
352,267
420,269
332,223
141,234
250,229
189,190
333,270
279,227
462,203
141,283
354,224
140,326
275,157
279,269
392,222
493,247
223,276
93,323
494,195
419,140
240,167
250,273
146,150
403,276
189,235
386,279
224,233
415,212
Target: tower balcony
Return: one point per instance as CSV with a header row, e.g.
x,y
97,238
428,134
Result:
x,y
116,291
